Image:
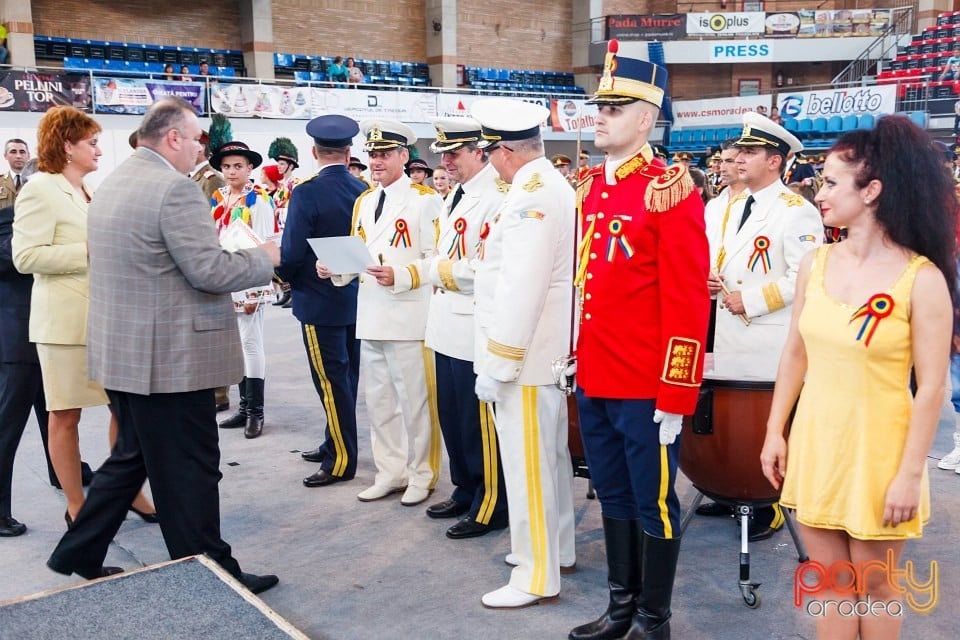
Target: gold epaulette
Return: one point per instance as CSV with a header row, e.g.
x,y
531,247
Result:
x,y
792,199
631,166
502,185
308,179
669,189
436,231
422,189
583,188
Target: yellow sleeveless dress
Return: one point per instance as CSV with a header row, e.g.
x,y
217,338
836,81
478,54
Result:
x,y
851,423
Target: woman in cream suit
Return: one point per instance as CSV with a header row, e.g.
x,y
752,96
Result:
x,y
50,241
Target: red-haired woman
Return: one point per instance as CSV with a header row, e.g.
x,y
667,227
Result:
x,y
50,241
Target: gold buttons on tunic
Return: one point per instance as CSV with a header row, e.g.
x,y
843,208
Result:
x,y
604,195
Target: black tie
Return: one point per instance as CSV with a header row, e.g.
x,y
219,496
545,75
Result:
x,y
379,209
16,182
746,212
456,197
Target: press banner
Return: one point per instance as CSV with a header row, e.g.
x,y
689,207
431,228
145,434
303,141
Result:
x,y
25,91
725,24
135,95
878,100
668,26
717,111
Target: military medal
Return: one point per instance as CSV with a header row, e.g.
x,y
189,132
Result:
x,y
617,239
458,248
760,255
878,307
401,237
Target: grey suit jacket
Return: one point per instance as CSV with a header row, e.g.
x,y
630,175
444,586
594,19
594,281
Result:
x,y
160,318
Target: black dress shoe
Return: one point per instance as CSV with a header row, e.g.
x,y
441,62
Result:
x,y
470,528
322,478
447,509
714,509
10,528
102,572
258,584
312,456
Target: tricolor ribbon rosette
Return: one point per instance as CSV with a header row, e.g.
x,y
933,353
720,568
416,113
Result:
x,y
878,307
458,246
760,255
401,235
617,239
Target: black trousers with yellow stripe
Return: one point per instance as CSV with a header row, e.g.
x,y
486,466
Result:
x,y
469,433
334,357
631,471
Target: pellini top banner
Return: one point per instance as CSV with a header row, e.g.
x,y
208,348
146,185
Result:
x,y
838,102
725,24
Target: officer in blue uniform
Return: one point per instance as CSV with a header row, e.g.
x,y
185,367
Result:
x,y
322,206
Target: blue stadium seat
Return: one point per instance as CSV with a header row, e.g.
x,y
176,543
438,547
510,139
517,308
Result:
x,y
790,124
301,77
866,121
804,127
834,125
849,123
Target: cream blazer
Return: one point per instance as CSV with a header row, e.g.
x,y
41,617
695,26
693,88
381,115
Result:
x,y
50,241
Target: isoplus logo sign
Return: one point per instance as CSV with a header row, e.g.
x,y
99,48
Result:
x,y
847,578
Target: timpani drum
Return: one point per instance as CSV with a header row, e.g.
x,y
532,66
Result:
x,y
722,440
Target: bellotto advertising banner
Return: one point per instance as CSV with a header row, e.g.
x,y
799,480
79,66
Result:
x,y
134,95
725,24
877,101
667,26
23,91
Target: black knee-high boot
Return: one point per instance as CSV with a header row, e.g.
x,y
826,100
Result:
x,y
659,567
623,579
239,419
254,408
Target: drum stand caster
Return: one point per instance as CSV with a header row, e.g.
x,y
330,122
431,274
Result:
x,y
748,589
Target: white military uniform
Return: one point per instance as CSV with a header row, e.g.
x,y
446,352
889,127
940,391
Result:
x,y
523,295
397,369
761,261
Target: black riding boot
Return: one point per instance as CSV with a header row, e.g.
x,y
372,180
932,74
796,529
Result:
x,y
659,567
238,419
254,408
623,578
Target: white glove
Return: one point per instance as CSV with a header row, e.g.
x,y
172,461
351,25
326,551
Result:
x,y
670,425
487,388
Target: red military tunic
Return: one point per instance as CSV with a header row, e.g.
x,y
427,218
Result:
x,y
643,270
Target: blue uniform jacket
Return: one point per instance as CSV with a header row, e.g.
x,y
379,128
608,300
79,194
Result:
x,y
319,207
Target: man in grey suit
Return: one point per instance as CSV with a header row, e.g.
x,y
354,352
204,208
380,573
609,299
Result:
x,y
161,336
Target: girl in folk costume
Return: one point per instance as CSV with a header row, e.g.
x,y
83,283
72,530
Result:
x,y
241,200
285,153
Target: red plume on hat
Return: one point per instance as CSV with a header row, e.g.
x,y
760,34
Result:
x,y
272,172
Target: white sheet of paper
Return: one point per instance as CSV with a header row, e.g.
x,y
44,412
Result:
x,y
239,235
342,254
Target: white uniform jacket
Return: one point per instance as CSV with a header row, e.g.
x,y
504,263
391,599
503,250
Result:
x,y
405,232
761,261
450,273
524,280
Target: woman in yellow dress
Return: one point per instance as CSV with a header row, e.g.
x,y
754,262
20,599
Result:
x,y
868,311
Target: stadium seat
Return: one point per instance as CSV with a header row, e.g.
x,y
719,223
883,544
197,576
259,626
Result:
x,y
849,123
866,121
804,127
834,125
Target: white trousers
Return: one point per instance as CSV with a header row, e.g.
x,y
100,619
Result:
x,y
251,337
401,397
532,428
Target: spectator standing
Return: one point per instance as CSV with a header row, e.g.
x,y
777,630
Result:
x,y
354,73
336,72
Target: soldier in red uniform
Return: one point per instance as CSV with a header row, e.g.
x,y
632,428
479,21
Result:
x,y
643,324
